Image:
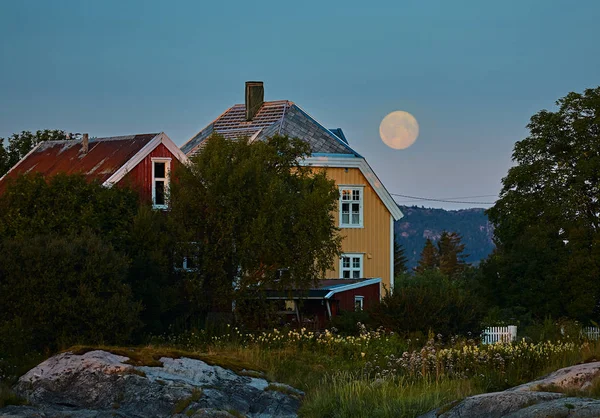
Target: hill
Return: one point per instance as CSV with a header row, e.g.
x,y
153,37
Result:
x,y
420,223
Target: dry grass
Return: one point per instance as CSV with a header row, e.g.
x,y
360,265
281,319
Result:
x,y
150,356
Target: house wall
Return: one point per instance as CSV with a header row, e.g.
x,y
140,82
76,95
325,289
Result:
x,y
346,299
140,178
373,240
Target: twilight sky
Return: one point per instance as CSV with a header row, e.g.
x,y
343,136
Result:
x,y
471,72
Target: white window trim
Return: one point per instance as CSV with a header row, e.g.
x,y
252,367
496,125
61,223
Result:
x,y
360,299
167,162
362,264
361,188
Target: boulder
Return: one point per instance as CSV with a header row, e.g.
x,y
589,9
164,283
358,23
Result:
x,y
533,399
99,383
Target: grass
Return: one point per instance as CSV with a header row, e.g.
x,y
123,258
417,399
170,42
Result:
x,y
150,356
8,397
374,373
183,404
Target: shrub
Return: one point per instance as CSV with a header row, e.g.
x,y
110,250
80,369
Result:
x,y
430,301
67,289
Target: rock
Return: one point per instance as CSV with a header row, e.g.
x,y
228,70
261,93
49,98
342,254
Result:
x,y
99,383
531,399
578,377
492,405
561,407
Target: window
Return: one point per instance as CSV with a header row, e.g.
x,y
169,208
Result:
x,y
160,182
351,266
351,206
359,303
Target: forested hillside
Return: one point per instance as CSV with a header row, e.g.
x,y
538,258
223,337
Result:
x,y
420,223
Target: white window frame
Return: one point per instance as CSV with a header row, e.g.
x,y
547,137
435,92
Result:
x,y
351,189
361,301
352,269
167,162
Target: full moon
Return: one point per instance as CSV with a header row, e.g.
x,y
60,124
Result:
x,y
399,130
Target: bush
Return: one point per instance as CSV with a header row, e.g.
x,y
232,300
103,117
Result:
x,y
62,290
430,302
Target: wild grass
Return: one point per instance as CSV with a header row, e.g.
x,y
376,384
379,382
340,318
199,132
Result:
x,y
373,373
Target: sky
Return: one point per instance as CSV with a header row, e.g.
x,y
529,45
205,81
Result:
x,y
471,72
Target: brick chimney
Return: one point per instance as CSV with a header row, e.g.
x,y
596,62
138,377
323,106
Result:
x,y
85,143
255,97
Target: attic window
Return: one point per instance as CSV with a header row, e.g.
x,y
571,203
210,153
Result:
x,y
160,182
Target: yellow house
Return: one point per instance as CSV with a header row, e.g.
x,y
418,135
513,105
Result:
x,y
366,211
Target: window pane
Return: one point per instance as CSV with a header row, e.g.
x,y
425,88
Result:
x,y
346,274
355,262
159,170
345,207
355,219
356,274
345,218
355,194
355,208
346,262
159,192
345,194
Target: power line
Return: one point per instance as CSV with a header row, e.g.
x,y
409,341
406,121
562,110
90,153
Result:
x,y
448,200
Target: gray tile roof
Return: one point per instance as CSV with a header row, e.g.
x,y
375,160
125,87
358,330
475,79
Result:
x,y
279,117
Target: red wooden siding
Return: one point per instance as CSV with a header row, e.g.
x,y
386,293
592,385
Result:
x,y
140,178
346,299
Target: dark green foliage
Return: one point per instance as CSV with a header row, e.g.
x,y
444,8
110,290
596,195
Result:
x,y
257,217
420,223
66,289
65,204
547,223
430,259
430,301
400,259
151,247
18,145
450,254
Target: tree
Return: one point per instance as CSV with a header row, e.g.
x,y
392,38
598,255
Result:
x,y
547,219
66,204
400,259
430,301
429,258
20,144
256,216
65,289
450,254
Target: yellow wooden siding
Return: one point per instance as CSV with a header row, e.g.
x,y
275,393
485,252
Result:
x,y
373,240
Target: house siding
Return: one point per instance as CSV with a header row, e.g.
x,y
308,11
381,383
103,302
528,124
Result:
x,y
373,240
345,300
140,178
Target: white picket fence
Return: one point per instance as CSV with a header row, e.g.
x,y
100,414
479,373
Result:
x,y
593,333
492,335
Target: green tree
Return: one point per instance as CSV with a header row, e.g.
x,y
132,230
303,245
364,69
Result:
x,y
546,220
450,252
257,217
400,259
66,204
430,301
18,145
65,289
429,258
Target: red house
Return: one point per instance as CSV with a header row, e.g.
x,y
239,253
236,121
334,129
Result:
x,y
314,307
142,162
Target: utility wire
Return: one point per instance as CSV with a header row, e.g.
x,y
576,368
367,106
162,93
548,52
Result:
x,y
447,200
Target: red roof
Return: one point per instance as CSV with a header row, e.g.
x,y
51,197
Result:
x,y
104,157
